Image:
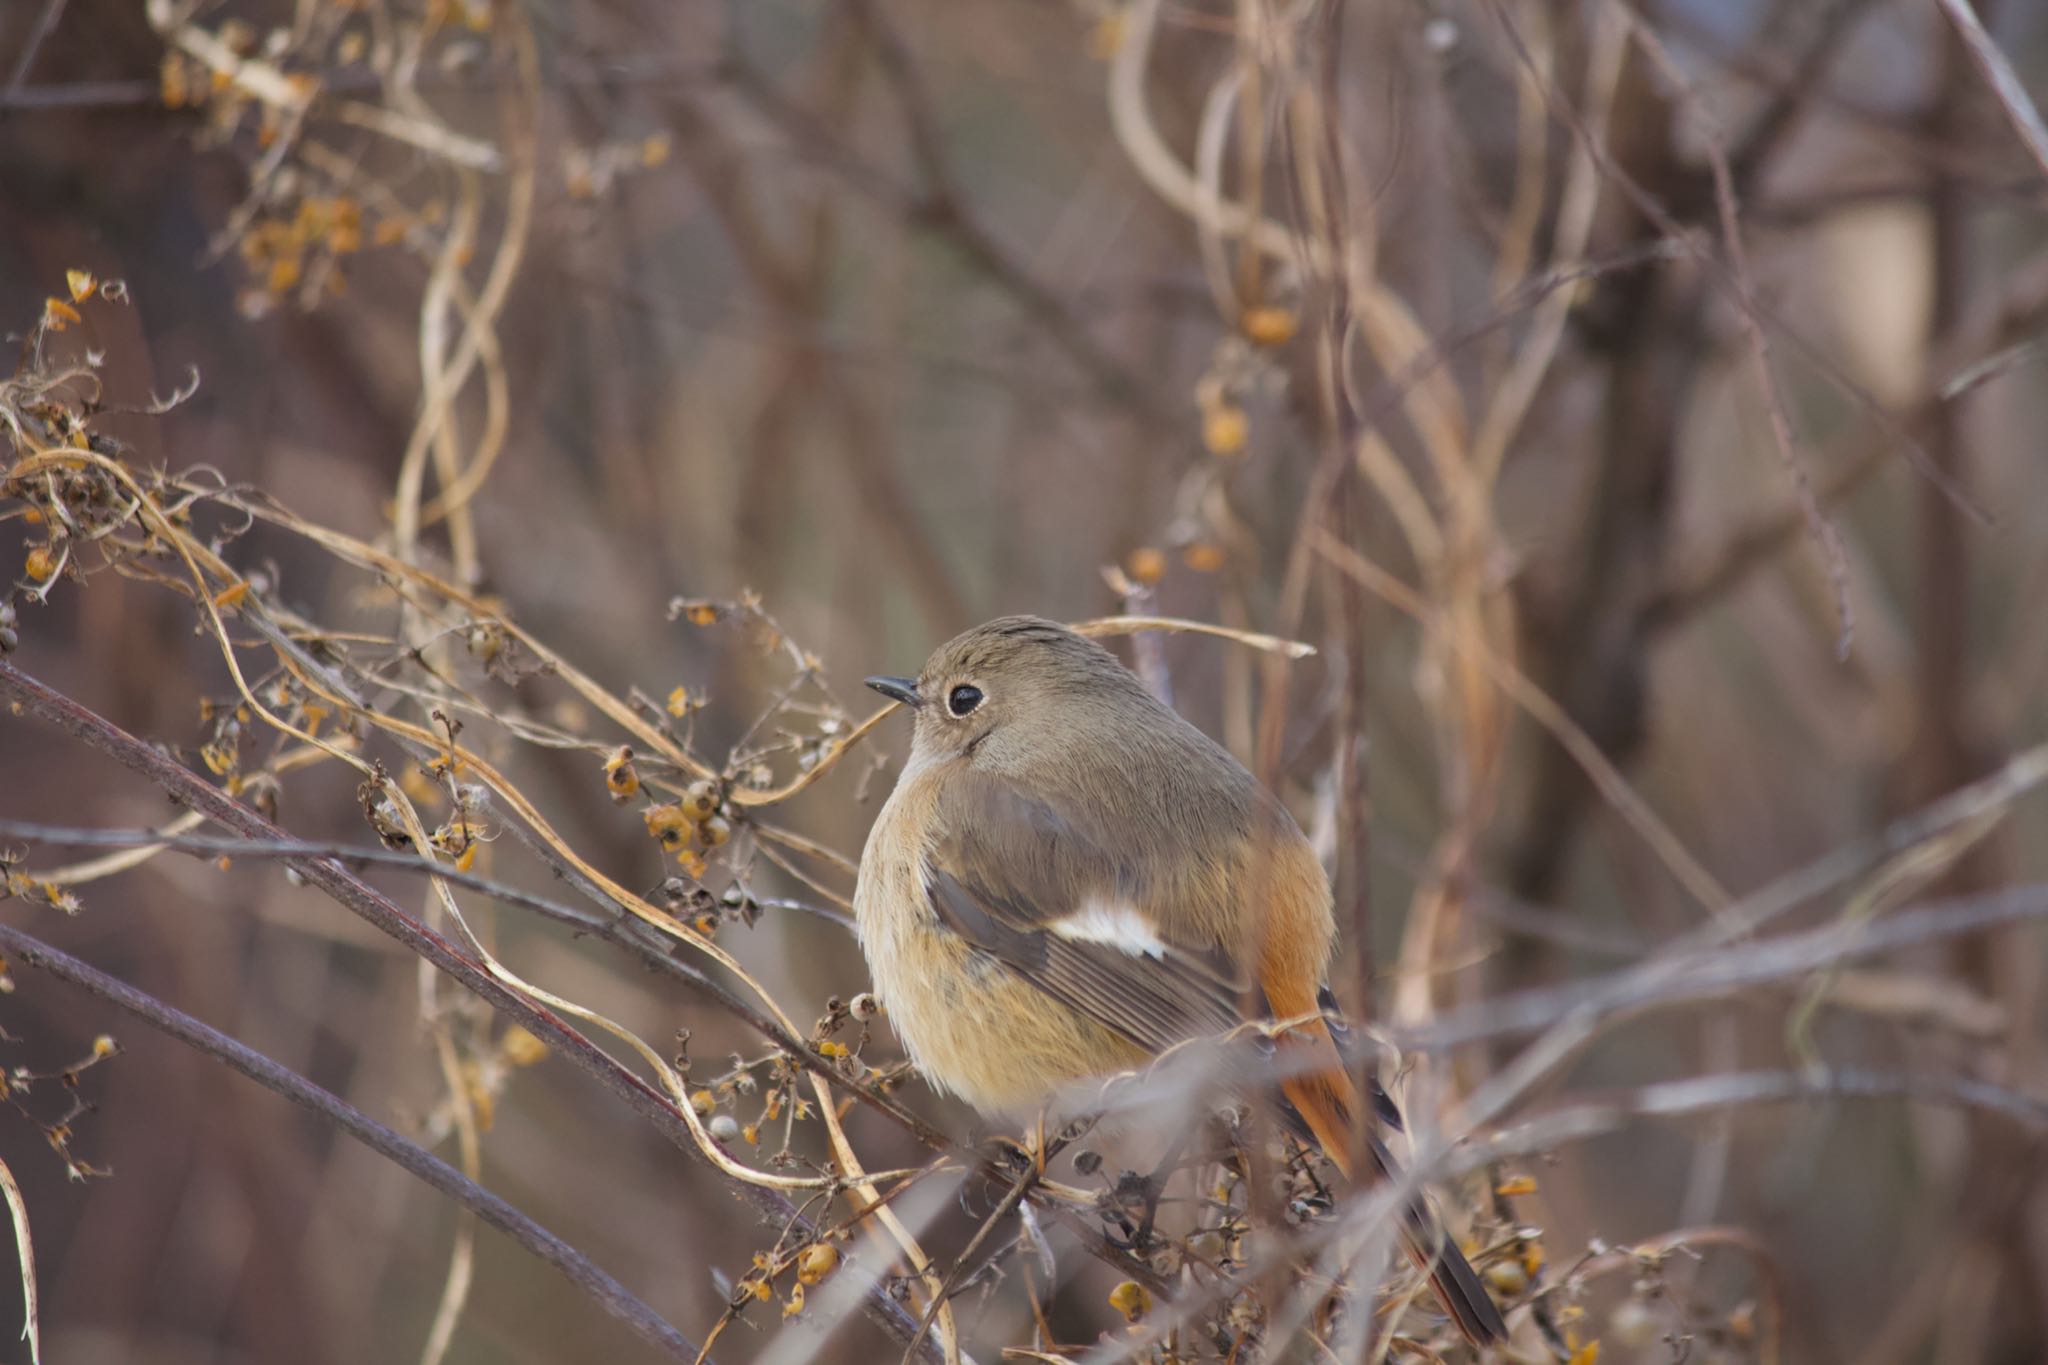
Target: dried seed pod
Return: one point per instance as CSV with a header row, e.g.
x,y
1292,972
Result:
x,y
700,800
669,824
817,1261
620,778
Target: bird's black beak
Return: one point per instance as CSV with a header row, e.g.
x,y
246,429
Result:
x,y
898,689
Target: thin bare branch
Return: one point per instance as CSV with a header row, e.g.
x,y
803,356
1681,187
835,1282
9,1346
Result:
x,y
592,1281
2004,81
39,700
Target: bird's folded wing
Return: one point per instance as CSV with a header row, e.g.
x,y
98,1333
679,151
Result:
x,y
1026,882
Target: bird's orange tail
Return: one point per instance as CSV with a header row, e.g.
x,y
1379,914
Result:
x,y
1327,1103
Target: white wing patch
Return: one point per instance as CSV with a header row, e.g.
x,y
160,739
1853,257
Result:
x,y
1109,922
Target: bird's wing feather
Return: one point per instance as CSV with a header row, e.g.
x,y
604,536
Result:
x,y
1021,877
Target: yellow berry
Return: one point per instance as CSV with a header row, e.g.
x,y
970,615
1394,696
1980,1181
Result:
x,y
521,1048
1106,39
1506,1277
1225,429
1131,1299
1269,325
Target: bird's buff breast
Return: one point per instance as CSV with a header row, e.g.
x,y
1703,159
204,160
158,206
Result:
x,y
970,1025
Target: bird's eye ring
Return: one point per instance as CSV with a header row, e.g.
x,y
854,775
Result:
x,y
963,699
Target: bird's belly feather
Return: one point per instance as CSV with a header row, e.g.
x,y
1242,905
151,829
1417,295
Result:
x,y
971,1025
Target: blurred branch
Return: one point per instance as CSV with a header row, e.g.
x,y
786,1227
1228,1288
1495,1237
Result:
x,y
1582,1005
1728,214
1980,348
46,20
796,281
1704,1094
1686,592
600,1287
1652,1253
1670,981
564,73
1750,153
1999,75
941,207
1436,1159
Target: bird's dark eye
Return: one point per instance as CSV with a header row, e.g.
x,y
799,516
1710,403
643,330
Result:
x,y
963,699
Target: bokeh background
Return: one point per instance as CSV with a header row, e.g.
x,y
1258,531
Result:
x,y
877,310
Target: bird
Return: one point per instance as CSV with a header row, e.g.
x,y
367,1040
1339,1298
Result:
x,y
1069,878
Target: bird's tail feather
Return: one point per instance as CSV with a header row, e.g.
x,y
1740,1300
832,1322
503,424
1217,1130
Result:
x,y
1324,1102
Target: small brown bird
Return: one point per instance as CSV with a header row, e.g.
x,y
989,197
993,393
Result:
x,y
1070,879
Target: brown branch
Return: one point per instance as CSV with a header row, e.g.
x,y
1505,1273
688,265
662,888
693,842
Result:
x,y
1669,981
564,73
607,923
1751,152
577,1268
37,699
1999,75
1703,1094
939,207
45,21
946,207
